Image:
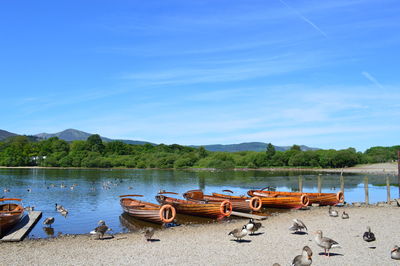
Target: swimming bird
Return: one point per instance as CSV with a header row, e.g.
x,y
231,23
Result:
x,y
6,190
395,253
297,226
304,259
369,236
345,215
29,208
325,242
332,213
252,226
101,229
49,221
148,233
29,190
58,207
239,233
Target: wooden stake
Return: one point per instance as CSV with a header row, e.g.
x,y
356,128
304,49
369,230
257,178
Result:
x,y
366,190
319,183
301,183
388,188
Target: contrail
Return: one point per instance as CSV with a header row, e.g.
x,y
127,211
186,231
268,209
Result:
x,y
305,19
372,79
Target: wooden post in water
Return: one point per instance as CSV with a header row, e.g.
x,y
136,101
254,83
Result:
x,y
388,188
319,183
301,183
341,182
366,190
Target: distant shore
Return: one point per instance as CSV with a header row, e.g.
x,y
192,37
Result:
x,y
210,244
377,168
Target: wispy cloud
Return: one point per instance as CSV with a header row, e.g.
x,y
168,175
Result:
x,y
372,79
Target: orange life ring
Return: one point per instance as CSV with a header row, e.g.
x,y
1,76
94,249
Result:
x,y
225,208
340,196
167,209
255,203
304,200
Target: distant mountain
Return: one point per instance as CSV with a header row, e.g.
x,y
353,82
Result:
x,y
248,146
5,134
73,134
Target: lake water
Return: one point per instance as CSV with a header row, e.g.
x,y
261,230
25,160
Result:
x,y
95,193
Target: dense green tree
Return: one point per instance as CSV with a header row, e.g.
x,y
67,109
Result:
x,y
95,144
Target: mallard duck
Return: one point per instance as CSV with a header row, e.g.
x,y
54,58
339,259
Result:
x,y
369,236
332,213
325,242
148,233
252,226
101,229
239,233
298,225
49,221
345,215
304,259
395,253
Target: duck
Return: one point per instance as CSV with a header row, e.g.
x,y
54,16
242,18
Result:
x,y
304,259
297,226
332,213
369,236
395,253
148,233
6,190
29,190
239,233
49,221
252,226
101,229
29,208
325,242
345,215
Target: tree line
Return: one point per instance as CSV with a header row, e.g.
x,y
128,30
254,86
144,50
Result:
x,y
94,153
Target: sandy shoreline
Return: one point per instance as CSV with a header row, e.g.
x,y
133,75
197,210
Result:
x,y
210,244
378,168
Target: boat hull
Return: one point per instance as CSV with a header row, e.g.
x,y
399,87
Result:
x,y
280,202
206,209
148,211
322,199
10,215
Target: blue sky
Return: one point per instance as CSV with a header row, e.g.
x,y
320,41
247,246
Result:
x,y
320,73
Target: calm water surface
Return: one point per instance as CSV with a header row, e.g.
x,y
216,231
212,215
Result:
x,y
95,194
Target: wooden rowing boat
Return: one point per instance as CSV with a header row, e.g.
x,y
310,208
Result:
x,y
211,209
10,214
147,211
239,203
286,202
320,198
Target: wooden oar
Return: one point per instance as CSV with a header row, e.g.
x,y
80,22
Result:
x,y
132,195
11,199
227,190
166,192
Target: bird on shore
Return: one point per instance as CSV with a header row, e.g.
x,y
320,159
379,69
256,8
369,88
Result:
x,y
239,233
395,253
332,213
325,242
345,215
304,259
252,226
49,221
101,229
148,233
298,226
369,236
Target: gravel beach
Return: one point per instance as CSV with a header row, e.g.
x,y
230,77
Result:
x,y
209,244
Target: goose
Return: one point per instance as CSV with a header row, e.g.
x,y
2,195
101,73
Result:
x,y
298,225
395,253
304,259
148,233
239,233
369,236
101,229
58,207
252,226
332,213
325,242
345,215
49,221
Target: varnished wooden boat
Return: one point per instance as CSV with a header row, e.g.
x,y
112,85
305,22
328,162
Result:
x,y
10,214
286,202
147,211
211,209
320,198
239,203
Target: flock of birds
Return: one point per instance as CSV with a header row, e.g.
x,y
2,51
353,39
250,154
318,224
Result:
x,y
298,227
